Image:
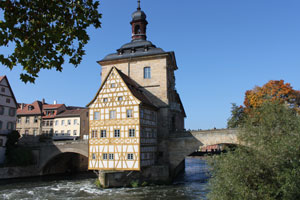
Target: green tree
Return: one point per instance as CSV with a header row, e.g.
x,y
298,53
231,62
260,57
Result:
x,y
17,155
267,166
44,33
237,116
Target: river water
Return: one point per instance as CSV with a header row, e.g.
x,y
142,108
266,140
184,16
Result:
x,y
190,185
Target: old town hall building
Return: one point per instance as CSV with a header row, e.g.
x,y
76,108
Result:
x,y
137,106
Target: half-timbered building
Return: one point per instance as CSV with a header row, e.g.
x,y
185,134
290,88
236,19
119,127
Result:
x,y
137,106
123,125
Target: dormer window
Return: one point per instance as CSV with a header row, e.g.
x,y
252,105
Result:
x,y
30,107
147,72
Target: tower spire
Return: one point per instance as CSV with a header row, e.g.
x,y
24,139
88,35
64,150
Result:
x,y
139,5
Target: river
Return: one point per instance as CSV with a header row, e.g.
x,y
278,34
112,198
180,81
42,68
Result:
x,y
190,185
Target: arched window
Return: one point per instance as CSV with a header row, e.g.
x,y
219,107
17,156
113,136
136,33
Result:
x,y
147,72
137,29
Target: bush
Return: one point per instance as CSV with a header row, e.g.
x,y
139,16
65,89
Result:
x,y
268,165
134,183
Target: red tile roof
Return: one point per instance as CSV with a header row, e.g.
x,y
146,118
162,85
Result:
x,y
72,112
52,106
24,109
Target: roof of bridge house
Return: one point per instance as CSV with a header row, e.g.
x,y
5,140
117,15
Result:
x,y
72,112
134,88
133,49
34,108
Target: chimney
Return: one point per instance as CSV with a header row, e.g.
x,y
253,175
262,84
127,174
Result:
x,y
43,101
22,105
55,102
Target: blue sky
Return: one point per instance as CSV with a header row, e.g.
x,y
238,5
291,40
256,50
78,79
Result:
x,y
223,48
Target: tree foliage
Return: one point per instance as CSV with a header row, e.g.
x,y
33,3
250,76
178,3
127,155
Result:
x,y
17,155
268,166
273,91
44,33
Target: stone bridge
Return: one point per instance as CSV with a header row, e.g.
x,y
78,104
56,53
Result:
x,y
53,157
183,144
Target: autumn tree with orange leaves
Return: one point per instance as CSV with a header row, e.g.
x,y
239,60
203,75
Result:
x,y
273,91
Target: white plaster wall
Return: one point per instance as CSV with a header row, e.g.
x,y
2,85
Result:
x,y
67,127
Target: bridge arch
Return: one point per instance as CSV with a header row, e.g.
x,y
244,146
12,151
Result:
x,y
53,156
183,144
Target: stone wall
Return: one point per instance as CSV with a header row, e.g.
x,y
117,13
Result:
x,y
158,174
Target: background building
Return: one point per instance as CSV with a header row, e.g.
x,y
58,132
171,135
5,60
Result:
x,y
8,107
72,122
29,121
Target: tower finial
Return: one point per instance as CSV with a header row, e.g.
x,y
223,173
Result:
x,y
139,5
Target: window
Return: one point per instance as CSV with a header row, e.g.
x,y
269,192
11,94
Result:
x,y
1,125
131,133
112,114
2,89
69,122
137,29
19,120
69,132
104,156
93,156
12,112
56,132
75,132
113,85
26,132
129,113
56,122
117,133
120,98
105,100
130,156
111,156
75,121
35,119
147,72
7,100
103,133
27,120
51,123
30,107
47,123
96,115
34,132
94,134
1,110
62,122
